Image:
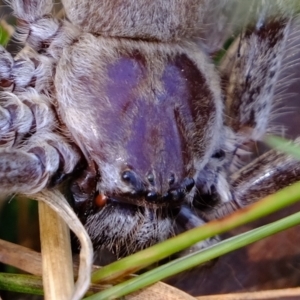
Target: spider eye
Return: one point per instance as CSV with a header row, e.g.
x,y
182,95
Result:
x,y
150,178
219,155
132,179
151,196
128,176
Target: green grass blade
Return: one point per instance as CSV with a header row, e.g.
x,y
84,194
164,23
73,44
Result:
x,y
27,284
135,262
197,258
283,145
4,35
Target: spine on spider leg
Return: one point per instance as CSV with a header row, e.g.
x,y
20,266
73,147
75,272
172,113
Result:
x,y
255,71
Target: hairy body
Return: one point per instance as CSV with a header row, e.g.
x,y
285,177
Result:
x,y
123,100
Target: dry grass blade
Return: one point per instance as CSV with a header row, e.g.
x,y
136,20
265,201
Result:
x,y
61,14
58,279
292,293
160,291
20,257
58,203
26,259
31,262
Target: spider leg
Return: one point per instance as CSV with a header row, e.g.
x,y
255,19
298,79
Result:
x,y
253,75
31,168
45,37
16,119
265,175
28,69
36,24
84,189
42,32
254,72
33,154
188,219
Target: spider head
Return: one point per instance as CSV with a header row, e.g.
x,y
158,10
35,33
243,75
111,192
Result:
x,y
140,216
150,119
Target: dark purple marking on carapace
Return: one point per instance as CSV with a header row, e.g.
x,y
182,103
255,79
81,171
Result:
x,y
123,78
146,128
155,128
148,111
